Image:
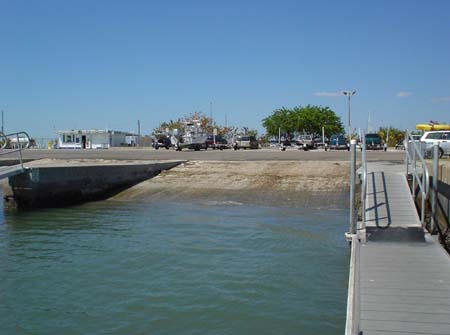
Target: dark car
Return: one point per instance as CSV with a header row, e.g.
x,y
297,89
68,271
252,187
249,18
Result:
x,y
161,141
338,142
374,142
285,144
216,142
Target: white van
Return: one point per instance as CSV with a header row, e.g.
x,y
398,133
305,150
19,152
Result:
x,y
441,137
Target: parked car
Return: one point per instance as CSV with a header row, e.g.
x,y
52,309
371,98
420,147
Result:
x,y
415,139
305,142
216,142
440,137
338,142
321,143
245,142
285,144
374,142
161,141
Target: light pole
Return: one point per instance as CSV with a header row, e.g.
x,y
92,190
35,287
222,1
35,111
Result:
x,y
349,95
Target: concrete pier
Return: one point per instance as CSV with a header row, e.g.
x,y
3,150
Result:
x,y
53,183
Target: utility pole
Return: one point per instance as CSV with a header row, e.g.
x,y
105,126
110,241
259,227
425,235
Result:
x,y
3,130
139,134
210,111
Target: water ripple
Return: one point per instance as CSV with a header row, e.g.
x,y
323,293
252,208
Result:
x,y
115,268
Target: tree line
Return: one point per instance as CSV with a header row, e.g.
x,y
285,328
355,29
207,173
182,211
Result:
x,y
289,121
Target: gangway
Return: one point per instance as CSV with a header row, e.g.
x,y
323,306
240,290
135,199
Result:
x,y
11,144
399,280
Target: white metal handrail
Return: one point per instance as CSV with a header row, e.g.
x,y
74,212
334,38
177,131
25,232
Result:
x,y
355,237
6,139
422,180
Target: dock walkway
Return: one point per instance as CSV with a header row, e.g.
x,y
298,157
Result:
x,y
9,171
402,275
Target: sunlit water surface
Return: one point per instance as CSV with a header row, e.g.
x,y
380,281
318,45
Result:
x,y
171,268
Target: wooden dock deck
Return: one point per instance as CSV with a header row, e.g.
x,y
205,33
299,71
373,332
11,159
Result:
x,y
401,281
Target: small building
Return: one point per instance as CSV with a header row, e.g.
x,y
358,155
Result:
x,y
94,139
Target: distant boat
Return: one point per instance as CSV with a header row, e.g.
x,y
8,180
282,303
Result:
x,y
193,137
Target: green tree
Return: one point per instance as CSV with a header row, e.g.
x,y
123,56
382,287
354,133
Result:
x,y
395,135
309,119
280,119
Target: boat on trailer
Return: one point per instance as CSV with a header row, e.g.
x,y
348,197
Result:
x,y
193,137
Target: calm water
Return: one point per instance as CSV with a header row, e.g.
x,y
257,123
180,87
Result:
x,y
166,268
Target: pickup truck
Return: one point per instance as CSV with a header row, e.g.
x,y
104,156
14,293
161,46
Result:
x,y
374,142
305,142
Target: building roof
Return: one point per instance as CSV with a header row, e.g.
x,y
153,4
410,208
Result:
x,y
94,131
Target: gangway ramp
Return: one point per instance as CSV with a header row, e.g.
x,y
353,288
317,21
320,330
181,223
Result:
x,y
390,210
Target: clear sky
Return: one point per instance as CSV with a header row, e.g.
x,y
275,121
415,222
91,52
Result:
x,y
98,64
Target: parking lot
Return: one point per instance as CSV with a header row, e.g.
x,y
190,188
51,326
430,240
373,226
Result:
x,y
212,155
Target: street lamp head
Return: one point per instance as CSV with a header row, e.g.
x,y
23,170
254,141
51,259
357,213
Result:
x,y
348,93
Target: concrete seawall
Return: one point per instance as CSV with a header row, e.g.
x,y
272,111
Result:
x,y
52,183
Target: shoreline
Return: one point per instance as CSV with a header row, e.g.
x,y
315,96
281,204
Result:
x,y
281,184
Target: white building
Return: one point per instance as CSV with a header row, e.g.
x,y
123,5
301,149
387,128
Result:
x,y
94,139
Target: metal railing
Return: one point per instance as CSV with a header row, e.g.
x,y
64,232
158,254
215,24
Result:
x,y
413,157
363,182
353,236
17,141
352,326
354,229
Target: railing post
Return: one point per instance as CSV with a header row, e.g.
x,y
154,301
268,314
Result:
x,y
413,189
406,143
364,185
20,150
434,198
352,229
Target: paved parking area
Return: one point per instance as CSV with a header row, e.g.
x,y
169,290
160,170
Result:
x,y
217,155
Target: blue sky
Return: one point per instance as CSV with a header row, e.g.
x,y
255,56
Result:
x,y
98,64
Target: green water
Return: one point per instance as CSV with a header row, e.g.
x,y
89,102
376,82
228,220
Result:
x,y
167,268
